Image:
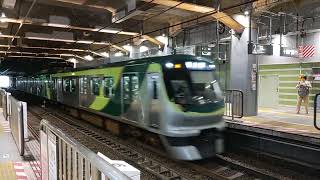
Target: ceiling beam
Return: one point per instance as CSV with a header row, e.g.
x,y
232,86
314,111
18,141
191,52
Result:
x,y
83,2
55,39
65,26
153,40
221,16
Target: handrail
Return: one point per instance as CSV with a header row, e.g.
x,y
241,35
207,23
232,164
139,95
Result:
x,y
235,104
315,112
99,163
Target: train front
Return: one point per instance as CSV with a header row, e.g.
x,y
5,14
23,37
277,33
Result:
x,y
193,113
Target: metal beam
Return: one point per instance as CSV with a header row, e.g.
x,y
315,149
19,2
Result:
x,y
66,26
153,40
221,16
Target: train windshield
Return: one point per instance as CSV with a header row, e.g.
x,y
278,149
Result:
x,y
199,87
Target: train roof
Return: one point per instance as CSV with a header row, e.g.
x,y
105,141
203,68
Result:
x,y
155,59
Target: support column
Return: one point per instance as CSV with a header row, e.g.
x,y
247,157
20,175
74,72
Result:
x,y
241,65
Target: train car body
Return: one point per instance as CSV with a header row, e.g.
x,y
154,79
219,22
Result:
x,y
176,97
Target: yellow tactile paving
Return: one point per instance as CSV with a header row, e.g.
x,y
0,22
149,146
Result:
x,y
7,171
283,126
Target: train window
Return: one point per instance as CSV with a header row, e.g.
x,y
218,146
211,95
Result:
x,y
155,89
95,86
126,88
108,87
135,86
73,85
66,85
83,85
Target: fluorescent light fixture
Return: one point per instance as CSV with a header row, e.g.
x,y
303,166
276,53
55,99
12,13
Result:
x,y
85,42
73,60
105,54
3,17
128,47
162,39
143,49
88,57
118,54
169,65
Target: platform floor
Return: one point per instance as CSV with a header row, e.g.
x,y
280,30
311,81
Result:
x,y
12,165
281,119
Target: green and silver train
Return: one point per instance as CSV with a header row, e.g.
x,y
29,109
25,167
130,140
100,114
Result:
x,y
175,97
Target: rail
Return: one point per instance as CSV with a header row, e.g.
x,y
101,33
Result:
x,y
233,103
62,157
316,109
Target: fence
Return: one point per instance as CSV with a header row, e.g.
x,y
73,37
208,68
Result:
x,y
16,113
62,157
18,123
234,103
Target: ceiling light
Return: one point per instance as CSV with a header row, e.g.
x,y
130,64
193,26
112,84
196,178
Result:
x,y
88,57
118,54
105,54
143,49
246,12
163,35
128,47
3,16
73,60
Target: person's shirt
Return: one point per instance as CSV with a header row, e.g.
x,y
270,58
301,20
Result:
x,y
305,83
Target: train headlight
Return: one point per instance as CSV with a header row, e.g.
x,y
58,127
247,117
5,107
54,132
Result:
x,y
189,65
169,65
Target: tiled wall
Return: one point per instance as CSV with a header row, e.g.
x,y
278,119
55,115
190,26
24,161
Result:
x,y
288,78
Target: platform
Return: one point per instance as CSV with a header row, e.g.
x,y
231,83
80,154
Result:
x,y
12,165
282,122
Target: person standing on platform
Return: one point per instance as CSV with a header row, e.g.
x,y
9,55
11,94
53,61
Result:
x,y
303,87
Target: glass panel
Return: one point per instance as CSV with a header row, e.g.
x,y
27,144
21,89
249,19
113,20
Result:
x,y
126,87
72,85
95,86
108,89
134,86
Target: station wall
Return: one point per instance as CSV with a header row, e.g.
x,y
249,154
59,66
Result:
x,y
288,77
289,68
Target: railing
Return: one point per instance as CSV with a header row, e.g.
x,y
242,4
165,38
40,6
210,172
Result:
x,y
315,109
62,157
18,123
234,103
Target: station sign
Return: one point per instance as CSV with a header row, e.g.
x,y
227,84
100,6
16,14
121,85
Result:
x,y
289,52
260,49
204,51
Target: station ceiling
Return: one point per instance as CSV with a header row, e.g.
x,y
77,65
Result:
x,y
41,34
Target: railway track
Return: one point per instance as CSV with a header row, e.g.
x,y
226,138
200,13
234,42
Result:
x,y
160,167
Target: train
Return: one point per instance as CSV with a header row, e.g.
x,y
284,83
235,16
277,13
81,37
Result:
x,y
176,97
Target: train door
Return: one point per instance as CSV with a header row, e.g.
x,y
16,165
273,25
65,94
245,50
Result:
x,y
154,100
59,90
268,94
131,101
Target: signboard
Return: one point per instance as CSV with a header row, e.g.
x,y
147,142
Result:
x,y
260,49
52,155
204,51
289,52
254,77
44,154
